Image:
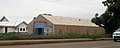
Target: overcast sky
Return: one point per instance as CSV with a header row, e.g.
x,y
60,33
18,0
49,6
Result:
x,y
68,8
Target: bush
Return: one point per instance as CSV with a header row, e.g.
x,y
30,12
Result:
x,y
17,36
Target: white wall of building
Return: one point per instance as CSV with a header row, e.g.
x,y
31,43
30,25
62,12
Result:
x,y
1,29
22,27
11,29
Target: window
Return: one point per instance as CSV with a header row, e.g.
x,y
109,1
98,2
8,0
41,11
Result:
x,y
20,29
23,29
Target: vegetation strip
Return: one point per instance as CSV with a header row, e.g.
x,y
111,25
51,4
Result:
x,y
16,36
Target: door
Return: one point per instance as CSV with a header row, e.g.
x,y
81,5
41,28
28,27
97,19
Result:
x,y
39,28
6,29
40,31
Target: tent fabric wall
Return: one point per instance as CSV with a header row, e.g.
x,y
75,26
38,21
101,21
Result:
x,y
62,29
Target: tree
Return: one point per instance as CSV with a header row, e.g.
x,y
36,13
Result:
x,y
110,19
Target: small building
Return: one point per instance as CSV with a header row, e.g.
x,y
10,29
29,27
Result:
x,y
8,26
48,24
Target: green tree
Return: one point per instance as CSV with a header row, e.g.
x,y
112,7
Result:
x,y
110,19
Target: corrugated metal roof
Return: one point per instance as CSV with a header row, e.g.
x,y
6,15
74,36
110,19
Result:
x,y
59,20
15,20
6,24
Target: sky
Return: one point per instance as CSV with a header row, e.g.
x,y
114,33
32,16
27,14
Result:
x,y
69,8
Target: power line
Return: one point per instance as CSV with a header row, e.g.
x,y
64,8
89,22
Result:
x,y
78,3
93,1
74,5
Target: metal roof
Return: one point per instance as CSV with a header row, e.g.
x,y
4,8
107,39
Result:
x,y
59,20
14,20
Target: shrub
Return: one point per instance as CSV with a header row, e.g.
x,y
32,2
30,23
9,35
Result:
x,y
17,36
